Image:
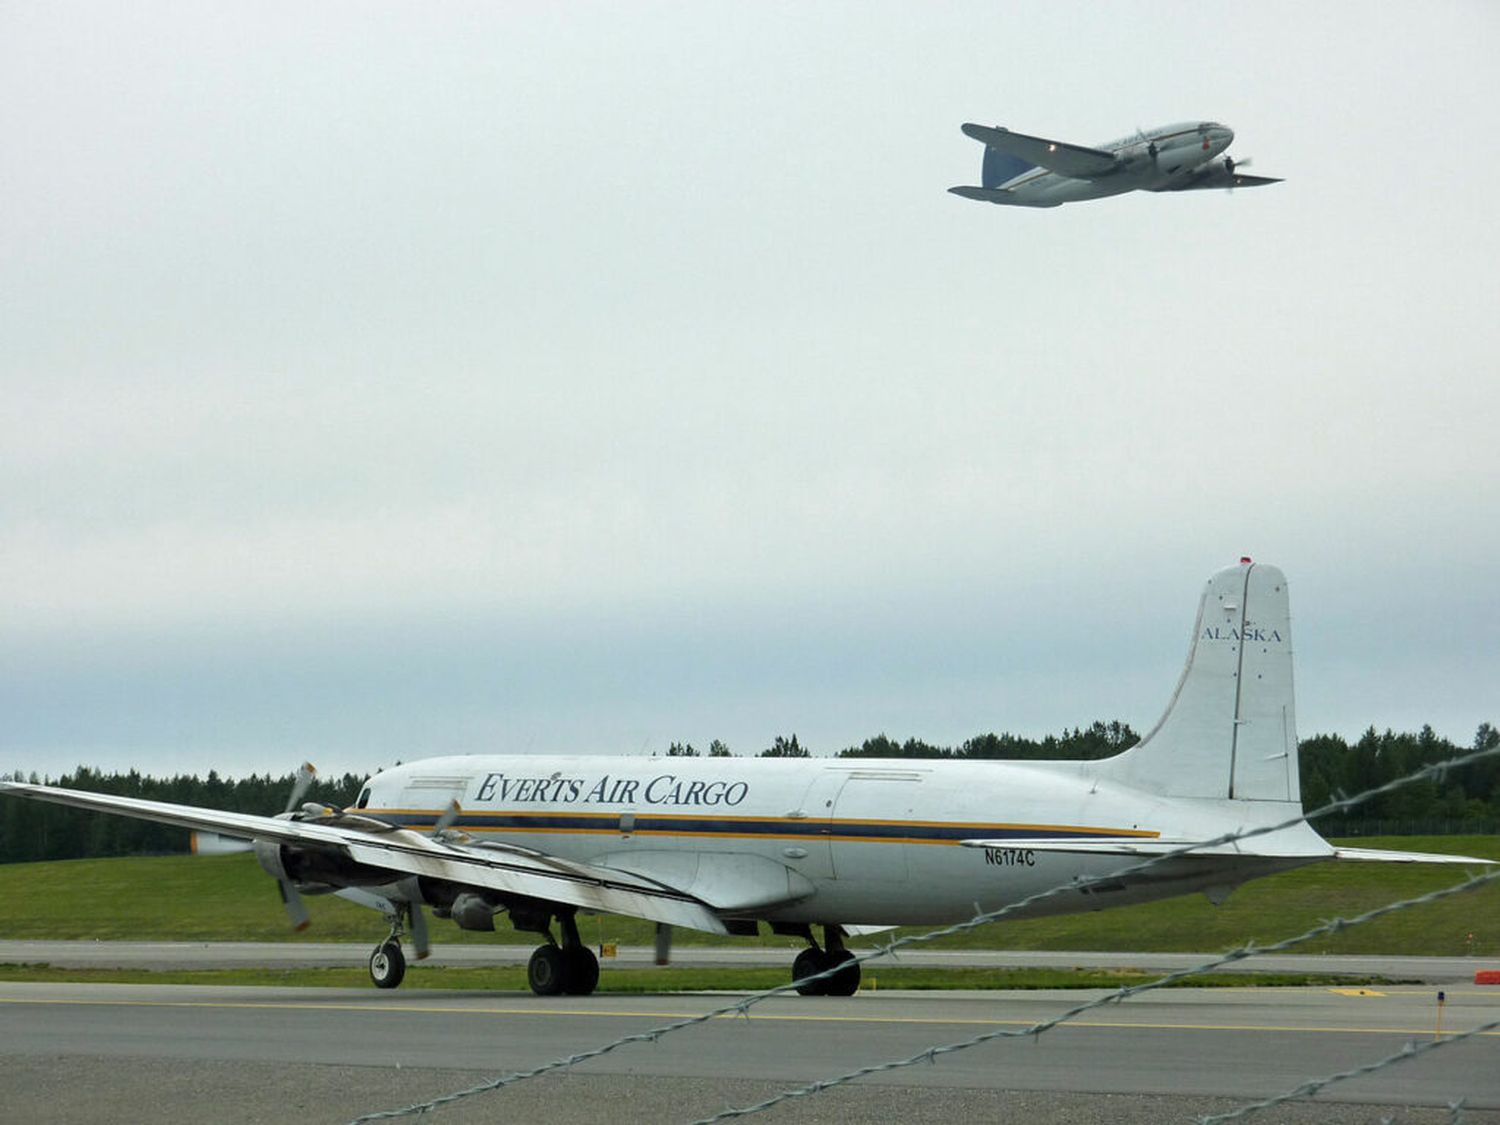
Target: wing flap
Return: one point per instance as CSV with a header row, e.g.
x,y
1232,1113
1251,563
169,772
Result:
x,y
1381,855
544,877
1076,161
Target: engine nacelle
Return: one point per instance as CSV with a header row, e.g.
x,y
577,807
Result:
x,y
316,871
473,912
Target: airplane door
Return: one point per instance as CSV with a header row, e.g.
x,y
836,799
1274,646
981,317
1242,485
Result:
x,y
809,853
871,822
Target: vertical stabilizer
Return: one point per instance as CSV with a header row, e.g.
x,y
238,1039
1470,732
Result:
x,y
1230,730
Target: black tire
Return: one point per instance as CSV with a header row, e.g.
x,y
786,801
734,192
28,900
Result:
x,y
580,971
387,965
808,962
547,970
845,982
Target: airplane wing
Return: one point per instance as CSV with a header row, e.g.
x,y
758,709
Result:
x,y
1075,161
1216,176
365,840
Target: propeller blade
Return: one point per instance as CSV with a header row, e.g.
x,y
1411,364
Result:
x,y
296,909
446,821
305,777
419,939
663,943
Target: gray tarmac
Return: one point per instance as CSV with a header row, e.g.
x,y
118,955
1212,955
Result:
x,y
71,1052
227,955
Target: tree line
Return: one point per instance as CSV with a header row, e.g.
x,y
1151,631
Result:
x,y
1463,800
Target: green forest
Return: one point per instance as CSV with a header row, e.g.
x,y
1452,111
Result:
x,y
1464,800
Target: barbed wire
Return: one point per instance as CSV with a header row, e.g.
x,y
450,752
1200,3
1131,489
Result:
x,y
1323,929
743,1005
1412,1049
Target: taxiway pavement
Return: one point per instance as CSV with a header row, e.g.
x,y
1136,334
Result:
x,y
73,1051
281,955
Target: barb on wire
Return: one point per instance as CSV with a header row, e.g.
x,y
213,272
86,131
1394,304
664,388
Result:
x,y
1410,1051
742,1005
1321,930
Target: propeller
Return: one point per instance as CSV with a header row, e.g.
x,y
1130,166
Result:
x,y
1151,150
442,828
296,909
1231,165
420,942
305,775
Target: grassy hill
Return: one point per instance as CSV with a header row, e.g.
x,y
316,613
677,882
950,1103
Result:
x,y
228,898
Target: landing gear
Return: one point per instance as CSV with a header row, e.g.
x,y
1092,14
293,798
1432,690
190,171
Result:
x,y
813,960
387,964
570,968
544,972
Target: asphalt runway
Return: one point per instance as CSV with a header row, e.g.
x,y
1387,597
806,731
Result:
x,y
229,955
75,1052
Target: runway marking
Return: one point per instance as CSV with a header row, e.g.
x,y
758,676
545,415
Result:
x,y
1356,992
271,1005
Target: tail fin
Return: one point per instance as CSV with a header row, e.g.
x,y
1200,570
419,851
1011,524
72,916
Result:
x,y
1001,167
1230,731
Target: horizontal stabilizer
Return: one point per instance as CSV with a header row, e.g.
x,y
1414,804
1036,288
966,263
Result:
x,y
994,195
1380,855
1075,161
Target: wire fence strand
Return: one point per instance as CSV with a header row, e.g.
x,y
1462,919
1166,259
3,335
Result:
x,y
743,1005
1412,1049
930,1054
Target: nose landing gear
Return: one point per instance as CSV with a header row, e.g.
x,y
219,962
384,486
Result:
x,y
387,964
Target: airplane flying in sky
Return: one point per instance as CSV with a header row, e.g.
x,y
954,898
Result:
x,y
728,845
1024,171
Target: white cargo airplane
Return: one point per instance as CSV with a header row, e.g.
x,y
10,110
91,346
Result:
x,y
850,845
1025,171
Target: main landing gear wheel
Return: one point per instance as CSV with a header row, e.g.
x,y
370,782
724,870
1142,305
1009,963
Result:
x,y
808,962
387,965
546,970
580,971
554,970
845,982
812,960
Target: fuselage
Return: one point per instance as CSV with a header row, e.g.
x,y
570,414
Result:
x,y
1149,161
862,841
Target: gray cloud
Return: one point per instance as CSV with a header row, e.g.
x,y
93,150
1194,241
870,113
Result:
x,y
353,356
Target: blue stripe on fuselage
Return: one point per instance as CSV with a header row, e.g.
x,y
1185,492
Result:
x,y
912,832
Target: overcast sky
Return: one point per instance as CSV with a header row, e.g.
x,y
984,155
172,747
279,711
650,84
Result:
x,y
383,380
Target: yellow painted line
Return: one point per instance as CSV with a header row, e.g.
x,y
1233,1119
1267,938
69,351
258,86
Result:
x,y
1356,992
423,1009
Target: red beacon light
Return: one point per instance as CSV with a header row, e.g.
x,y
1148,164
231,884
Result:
x,y
1245,560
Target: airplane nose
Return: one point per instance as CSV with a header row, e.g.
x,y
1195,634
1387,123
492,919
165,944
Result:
x,y
1226,135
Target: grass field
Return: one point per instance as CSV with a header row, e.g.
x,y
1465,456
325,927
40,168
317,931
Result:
x,y
228,898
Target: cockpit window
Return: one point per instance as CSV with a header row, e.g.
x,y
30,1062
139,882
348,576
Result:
x,y
363,799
